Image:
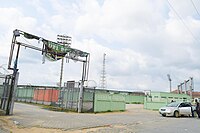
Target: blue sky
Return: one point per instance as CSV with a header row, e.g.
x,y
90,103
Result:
x,y
143,40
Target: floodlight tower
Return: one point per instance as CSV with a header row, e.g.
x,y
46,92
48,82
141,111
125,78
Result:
x,y
191,86
103,74
170,80
66,41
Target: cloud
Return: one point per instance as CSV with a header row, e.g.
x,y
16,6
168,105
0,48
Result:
x,y
143,41
158,42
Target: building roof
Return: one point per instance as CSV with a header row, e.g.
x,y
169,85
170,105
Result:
x,y
194,94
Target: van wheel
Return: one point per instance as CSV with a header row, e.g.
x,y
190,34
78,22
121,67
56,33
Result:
x,y
176,114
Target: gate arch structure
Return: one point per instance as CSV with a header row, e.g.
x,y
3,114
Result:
x,y
49,49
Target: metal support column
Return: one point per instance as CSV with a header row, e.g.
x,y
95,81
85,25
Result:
x,y
84,76
13,85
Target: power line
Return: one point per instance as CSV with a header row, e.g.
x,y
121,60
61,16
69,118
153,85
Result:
x,y
195,7
182,21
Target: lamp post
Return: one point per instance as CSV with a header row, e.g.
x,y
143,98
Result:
x,y
66,41
191,86
170,84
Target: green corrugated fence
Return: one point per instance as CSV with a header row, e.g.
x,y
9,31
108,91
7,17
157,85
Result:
x,y
153,105
109,102
156,100
1,90
104,100
131,99
23,93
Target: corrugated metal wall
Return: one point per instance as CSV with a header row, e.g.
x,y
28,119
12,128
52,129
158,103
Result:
x,y
104,100
37,94
109,102
131,99
88,98
24,93
70,98
1,90
46,95
158,99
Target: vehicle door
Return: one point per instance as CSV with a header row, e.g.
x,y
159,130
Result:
x,y
184,109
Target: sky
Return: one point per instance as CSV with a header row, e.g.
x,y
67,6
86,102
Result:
x,y
144,40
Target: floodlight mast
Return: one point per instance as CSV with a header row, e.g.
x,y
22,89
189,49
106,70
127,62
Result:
x,y
66,41
170,84
191,86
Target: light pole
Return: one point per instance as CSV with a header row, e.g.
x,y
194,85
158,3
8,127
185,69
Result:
x,y
66,41
191,86
170,84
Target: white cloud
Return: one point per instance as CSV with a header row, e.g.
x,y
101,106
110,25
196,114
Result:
x,y
143,41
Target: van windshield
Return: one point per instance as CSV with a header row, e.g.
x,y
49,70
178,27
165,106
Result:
x,y
173,104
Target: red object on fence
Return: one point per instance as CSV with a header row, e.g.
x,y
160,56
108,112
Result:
x,y
46,95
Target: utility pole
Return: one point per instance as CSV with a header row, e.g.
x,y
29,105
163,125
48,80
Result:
x,y
170,84
191,86
103,74
66,41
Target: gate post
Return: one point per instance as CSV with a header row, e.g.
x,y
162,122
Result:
x,y
80,100
14,93
11,95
